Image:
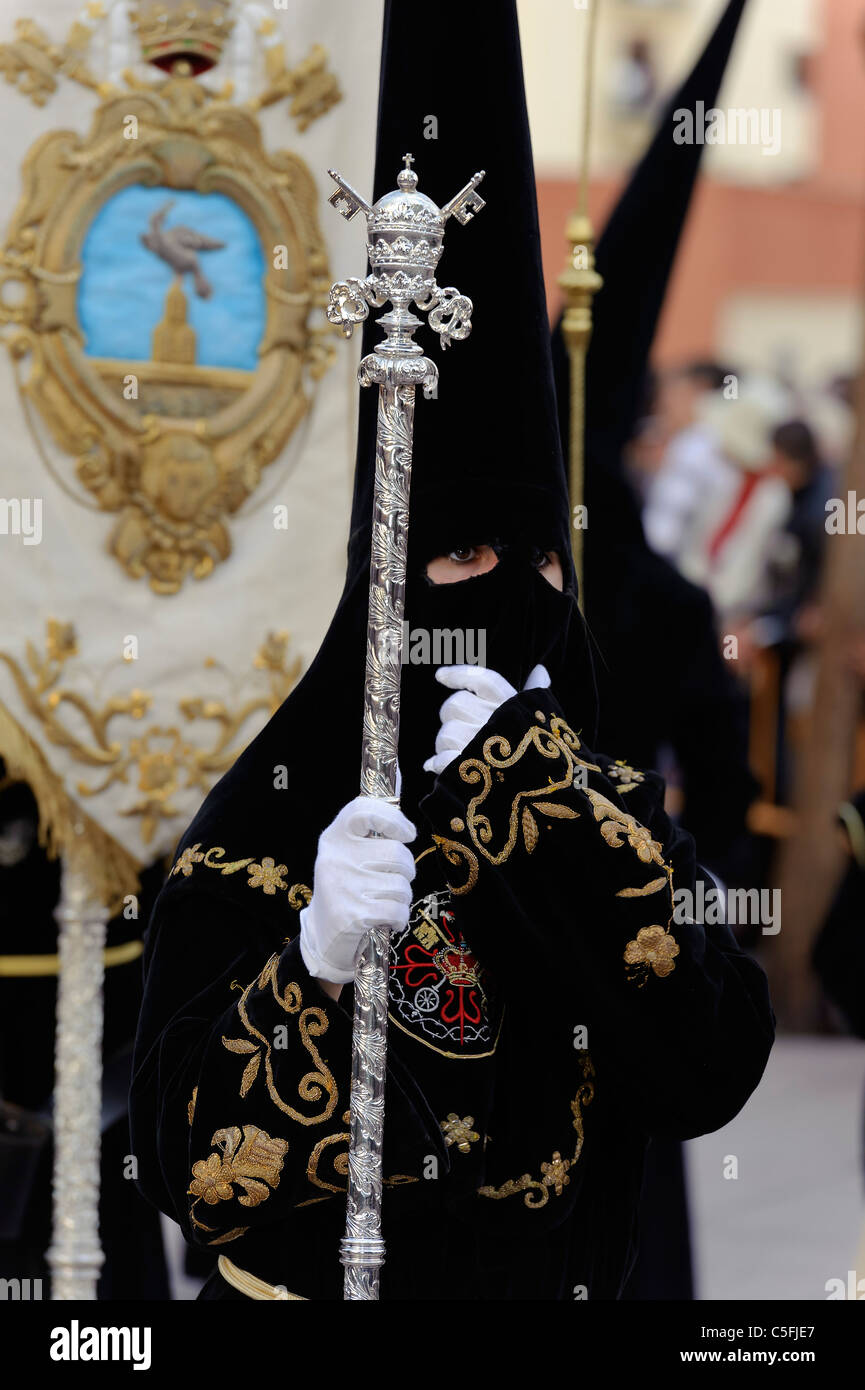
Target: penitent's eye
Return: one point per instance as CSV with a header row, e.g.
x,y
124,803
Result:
x,y
463,556
541,559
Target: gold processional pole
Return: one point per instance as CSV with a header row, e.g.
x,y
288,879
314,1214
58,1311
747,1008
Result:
x,y
580,282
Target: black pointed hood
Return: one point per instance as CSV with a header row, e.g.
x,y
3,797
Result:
x,y
487,458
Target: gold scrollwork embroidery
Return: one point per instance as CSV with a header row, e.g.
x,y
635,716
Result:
x,y
312,1023
340,1160
555,1175
615,824
458,854
340,1166
558,742
160,762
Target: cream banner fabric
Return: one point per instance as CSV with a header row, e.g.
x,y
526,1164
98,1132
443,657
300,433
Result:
x,y
178,417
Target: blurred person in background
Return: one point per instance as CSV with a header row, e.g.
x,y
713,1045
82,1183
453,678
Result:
x,y
633,82
736,530
690,463
794,564
794,568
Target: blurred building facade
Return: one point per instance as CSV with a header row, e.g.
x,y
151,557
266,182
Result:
x,y
771,269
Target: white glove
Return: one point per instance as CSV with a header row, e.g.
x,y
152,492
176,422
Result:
x,y
358,883
479,694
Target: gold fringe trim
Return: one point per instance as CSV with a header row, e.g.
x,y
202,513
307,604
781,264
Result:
x,y
64,829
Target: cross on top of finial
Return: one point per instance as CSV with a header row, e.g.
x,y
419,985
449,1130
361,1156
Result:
x,y
407,178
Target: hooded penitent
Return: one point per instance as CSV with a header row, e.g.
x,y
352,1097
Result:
x,y
642,614
513,1147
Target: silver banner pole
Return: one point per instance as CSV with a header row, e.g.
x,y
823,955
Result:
x,y
406,231
75,1256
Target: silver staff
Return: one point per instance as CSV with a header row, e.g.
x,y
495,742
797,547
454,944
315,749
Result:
x,y
75,1256
406,230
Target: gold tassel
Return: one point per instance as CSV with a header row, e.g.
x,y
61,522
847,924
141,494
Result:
x,y
580,282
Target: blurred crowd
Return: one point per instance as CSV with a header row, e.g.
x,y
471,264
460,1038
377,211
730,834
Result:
x,y
734,473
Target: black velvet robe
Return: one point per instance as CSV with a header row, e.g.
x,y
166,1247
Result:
x,y
547,1017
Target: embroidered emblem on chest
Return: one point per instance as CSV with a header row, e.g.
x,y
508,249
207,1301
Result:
x,y
439,992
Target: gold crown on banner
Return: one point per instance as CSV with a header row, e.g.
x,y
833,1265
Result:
x,y
193,29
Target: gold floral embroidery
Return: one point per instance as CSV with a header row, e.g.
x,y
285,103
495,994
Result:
x,y
215,859
554,1174
458,854
187,861
459,1132
615,824
254,1164
312,1023
190,1109
267,875
627,777
654,948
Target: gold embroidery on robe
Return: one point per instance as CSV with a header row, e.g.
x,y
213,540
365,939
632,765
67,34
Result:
x,y
312,1023
339,1163
558,743
555,1173
615,824
625,776
458,854
267,875
229,1235
652,950
252,1161
459,1132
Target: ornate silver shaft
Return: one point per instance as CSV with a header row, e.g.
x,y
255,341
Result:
x,y
406,230
362,1249
75,1256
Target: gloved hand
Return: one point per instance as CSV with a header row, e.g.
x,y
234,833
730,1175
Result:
x,y
480,691
357,883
